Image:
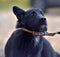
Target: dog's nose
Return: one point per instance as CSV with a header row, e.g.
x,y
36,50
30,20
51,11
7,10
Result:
x,y
43,19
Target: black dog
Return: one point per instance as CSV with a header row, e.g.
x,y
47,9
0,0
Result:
x,y
24,44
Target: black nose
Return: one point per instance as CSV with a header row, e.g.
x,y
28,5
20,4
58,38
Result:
x,y
43,20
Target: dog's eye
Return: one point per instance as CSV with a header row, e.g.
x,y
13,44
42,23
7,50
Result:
x,y
33,13
41,12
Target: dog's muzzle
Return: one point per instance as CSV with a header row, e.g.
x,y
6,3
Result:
x,y
43,25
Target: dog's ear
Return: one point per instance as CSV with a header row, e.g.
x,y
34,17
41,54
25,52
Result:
x,y
18,12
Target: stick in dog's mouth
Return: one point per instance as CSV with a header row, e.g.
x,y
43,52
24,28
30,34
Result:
x,y
39,34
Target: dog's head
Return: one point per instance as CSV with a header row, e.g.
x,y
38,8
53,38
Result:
x,y
32,19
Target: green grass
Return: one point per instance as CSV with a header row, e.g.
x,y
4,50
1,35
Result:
x,y
7,4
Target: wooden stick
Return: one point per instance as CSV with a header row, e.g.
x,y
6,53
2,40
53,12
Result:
x,y
37,33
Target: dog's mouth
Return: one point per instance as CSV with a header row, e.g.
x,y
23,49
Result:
x,y
43,29
43,26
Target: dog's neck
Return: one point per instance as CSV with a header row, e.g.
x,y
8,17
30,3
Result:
x,y
32,39
29,38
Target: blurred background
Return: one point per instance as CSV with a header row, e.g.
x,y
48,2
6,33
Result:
x,y
51,8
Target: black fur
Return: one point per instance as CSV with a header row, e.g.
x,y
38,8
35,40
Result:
x,y
23,44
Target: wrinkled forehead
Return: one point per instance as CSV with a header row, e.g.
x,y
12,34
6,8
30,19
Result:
x,y
36,10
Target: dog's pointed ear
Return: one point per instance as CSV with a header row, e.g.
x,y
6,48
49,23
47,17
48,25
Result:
x,y
18,12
